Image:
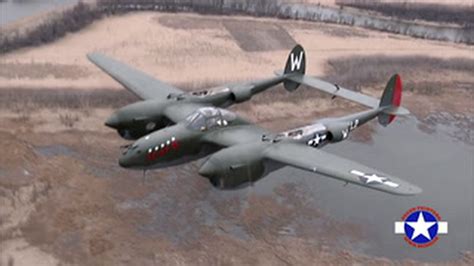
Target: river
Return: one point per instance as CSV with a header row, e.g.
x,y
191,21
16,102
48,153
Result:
x,y
14,10
438,163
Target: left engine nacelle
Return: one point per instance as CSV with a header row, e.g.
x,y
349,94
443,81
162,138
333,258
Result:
x,y
138,129
139,119
241,93
234,167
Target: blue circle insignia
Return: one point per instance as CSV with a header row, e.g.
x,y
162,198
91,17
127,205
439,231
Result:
x,y
421,227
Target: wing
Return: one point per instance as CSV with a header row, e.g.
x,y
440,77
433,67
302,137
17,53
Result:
x,y
313,160
333,89
141,84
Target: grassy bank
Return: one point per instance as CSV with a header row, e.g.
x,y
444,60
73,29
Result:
x,y
419,74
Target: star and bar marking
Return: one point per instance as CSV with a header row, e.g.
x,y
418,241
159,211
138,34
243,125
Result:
x,y
374,179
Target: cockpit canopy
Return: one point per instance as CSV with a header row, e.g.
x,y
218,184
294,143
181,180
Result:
x,y
301,132
206,118
210,92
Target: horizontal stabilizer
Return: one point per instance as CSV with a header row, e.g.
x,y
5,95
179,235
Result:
x,y
333,89
396,111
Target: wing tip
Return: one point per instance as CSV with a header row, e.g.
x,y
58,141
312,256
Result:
x,y
409,190
93,56
97,57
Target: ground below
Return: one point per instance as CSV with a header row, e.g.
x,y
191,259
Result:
x,y
65,200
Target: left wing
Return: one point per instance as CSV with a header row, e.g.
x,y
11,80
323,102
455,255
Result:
x,y
317,161
141,84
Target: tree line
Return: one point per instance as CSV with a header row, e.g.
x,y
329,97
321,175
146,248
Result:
x,y
463,16
82,14
51,29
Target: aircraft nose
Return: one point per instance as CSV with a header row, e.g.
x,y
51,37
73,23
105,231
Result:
x,y
124,162
113,121
208,169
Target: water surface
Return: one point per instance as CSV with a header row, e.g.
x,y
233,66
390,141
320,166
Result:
x,y
438,163
13,10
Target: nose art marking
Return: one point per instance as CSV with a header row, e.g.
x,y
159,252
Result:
x,y
162,149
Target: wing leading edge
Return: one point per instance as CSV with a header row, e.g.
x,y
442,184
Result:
x,y
141,84
317,161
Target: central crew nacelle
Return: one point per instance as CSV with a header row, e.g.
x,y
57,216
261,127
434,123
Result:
x,y
181,142
166,147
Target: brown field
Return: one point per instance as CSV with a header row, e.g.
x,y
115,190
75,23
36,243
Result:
x,y
211,48
66,202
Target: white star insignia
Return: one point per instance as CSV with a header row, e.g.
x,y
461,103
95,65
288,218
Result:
x,y
373,178
421,227
317,139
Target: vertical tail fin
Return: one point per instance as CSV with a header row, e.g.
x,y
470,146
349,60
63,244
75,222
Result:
x,y
392,98
296,63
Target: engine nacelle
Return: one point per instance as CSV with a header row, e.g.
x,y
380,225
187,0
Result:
x,y
233,167
139,128
242,93
337,132
139,119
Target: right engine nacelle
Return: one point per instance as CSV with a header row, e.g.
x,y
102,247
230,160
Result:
x,y
338,131
233,167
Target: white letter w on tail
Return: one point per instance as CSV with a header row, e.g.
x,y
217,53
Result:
x,y
296,61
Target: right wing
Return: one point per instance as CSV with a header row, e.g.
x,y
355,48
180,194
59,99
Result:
x,y
333,89
318,161
141,84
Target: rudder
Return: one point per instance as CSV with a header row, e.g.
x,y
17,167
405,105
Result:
x,y
296,63
392,97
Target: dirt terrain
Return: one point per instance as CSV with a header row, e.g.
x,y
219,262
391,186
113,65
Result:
x,y
65,201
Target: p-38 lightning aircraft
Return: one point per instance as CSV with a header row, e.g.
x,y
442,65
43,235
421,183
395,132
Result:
x,y
172,127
